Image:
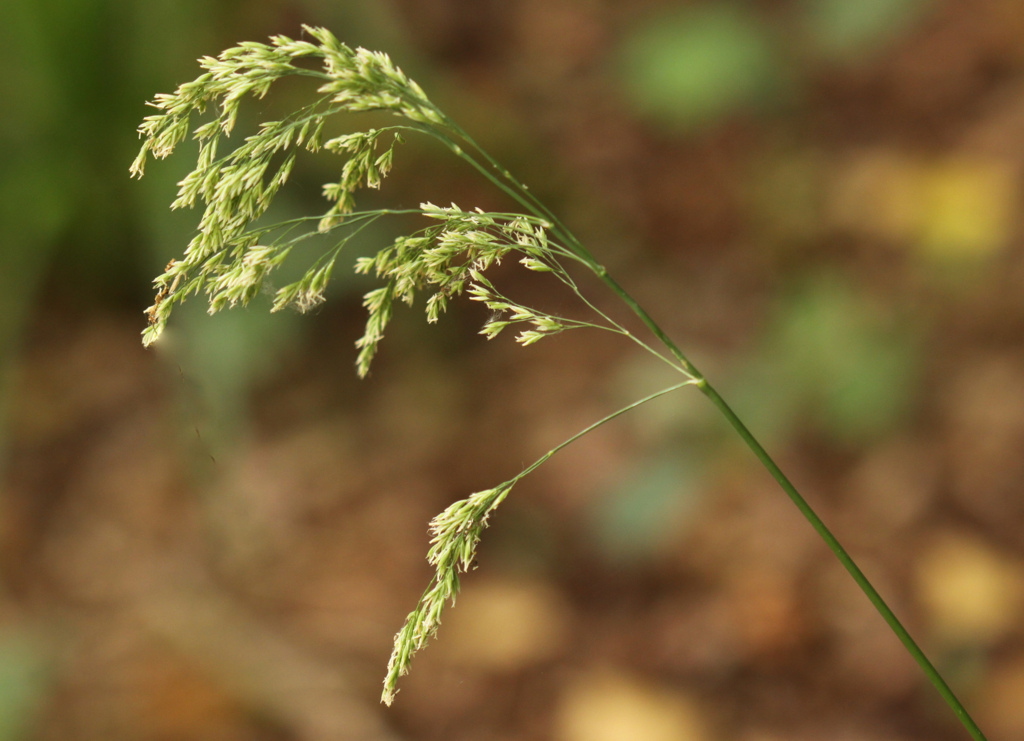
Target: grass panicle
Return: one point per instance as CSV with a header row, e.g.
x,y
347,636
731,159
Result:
x,y
234,251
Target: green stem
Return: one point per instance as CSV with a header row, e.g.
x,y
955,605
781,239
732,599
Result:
x,y
519,192
689,368
513,191
586,430
808,512
844,558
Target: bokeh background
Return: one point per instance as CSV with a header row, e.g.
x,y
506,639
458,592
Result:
x,y
217,539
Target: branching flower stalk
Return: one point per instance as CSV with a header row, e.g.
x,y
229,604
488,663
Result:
x,y
235,250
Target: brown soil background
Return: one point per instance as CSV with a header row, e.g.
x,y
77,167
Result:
x,y
178,564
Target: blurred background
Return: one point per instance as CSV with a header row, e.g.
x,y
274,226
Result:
x,y
819,199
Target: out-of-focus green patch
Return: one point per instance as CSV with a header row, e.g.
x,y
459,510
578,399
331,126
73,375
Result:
x,y
222,358
693,67
847,28
33,208
23,681
641,515
834,358
77,75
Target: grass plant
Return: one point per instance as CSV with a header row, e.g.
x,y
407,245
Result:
x,y
234,251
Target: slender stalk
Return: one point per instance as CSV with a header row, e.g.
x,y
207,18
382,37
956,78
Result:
x,y
848,563
812,517
689,368
586,430
529,201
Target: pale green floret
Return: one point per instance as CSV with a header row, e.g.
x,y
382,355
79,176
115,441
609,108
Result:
x,y
493,328
532,263
444,259
528,337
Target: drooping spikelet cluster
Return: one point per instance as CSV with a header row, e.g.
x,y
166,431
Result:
x,y
226,259
455,534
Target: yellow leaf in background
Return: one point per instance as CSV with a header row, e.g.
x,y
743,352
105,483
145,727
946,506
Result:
x,y
968,207
611,706
948,209
972,593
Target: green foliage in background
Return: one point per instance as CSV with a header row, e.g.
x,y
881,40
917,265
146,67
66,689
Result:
x,y
77,73
645,512
24,680
689,68
834,359
849,29
699,64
